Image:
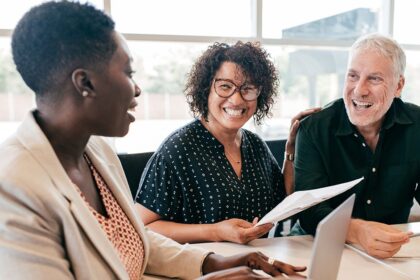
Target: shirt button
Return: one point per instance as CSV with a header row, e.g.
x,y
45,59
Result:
x,y
374,170
363,144
368,201
355,135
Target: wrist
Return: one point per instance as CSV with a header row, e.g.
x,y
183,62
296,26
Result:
x,y
289,147
214,230
354,229
212,263
288,156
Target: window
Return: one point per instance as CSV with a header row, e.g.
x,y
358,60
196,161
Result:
x,y
323,19
307,40
184,17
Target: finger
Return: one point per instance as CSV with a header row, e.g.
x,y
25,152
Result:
x,y
255,221
294,129
306,112
388,247
381,254
255,232
393,237
243,223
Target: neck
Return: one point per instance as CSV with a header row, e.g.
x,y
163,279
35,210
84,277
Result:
x,y
64,135
371,135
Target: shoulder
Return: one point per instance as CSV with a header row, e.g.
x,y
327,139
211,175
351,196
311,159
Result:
x,y
181,139
326,121
253,138
255,143
411,109
17,163
329,113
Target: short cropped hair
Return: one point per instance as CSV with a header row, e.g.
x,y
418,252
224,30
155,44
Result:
x,y
55,38
252,60
386,46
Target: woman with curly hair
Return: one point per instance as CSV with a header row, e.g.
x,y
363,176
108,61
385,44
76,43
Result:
x,y
211,180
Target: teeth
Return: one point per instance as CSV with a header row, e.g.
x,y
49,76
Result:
x,y
131,109
362,104
234,112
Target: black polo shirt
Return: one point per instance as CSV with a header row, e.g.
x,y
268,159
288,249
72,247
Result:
x,y
330,150
190,180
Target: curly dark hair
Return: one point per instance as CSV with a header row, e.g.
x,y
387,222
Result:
x,y
54,38
255,65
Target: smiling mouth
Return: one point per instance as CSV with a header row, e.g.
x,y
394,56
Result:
x,y
234,112
361,104
131,112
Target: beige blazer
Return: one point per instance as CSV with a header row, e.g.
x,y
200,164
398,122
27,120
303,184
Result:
x,y
48,232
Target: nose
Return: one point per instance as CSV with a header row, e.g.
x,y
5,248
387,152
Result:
x,y
236,97
137,90
361,88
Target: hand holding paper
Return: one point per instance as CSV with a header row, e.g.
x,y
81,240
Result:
x,y
301,200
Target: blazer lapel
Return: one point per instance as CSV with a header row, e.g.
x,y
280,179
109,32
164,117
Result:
x,y
119,188
33,139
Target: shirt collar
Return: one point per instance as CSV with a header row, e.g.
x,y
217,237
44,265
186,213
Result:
x,y
210,140
207,137
395,115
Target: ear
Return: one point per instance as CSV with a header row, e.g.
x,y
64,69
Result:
x,y
82,83
400,86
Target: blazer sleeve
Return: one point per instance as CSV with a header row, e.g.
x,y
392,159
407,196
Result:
x,y
30,246
172,259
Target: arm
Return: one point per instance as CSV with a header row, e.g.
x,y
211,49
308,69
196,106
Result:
x,y
417,193
377,239
30,245
288,172
171,259
234,230
310,173
241,266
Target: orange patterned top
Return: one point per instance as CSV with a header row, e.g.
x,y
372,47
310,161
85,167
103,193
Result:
x,y
118,227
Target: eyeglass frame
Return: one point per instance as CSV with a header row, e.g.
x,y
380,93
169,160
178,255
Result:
x,y
237,89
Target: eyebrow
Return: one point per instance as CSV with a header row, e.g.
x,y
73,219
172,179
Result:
x,y
246,82
370,74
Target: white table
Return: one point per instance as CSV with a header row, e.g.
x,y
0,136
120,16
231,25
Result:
x,y
297,250
408,266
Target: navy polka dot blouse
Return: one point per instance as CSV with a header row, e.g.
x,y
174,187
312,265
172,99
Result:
x,y
190,180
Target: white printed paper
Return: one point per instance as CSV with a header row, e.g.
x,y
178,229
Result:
x,y
301,200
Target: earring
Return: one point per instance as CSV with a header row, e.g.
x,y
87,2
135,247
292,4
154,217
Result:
x,y
85,93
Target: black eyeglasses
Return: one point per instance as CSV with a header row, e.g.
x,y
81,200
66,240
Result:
x,y
226,88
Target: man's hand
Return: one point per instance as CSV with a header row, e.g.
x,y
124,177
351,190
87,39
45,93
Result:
x,y
254,260
239,231
377,239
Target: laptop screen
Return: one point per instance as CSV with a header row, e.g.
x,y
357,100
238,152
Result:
x,y
329,242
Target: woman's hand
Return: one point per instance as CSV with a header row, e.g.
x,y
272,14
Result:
x,y
239,231
254,260
239,273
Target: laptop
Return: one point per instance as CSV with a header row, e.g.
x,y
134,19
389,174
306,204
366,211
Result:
x,y
329,242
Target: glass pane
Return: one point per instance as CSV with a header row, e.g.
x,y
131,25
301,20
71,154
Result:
x,y
412,78
309,77
12,11
405,20
323,19
161,72
183,17
16,99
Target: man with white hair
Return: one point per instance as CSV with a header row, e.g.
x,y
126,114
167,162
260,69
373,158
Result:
x,y
369,133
